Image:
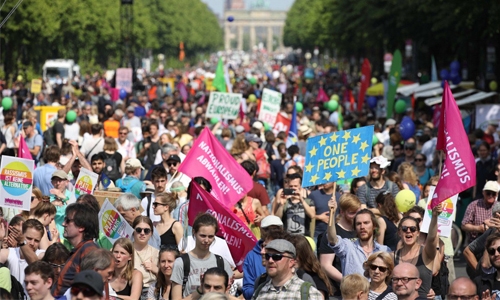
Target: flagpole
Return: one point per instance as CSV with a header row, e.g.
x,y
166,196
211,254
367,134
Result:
x,y
332,211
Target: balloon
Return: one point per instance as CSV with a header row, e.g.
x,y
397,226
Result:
x,y
374,80
374,140
455,66
123,94
405,199
335,97
7,103
252,80
230,18
400,106
456,80
311,242
71,116
267,126
19,77
299,106
309,73
444,74
493,85
372,101
252,98
407,128
214,121
332,105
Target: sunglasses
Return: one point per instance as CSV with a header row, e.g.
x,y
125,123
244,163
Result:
x,y
412,228
492,251
86,291
146,230
419,159
276,256
375,267
68,220
172,164
155,204
490,193
56,265
32,198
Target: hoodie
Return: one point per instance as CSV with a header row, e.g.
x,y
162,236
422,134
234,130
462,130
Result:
x,y
252,269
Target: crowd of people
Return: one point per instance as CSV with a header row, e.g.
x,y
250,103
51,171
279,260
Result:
x,y
136,145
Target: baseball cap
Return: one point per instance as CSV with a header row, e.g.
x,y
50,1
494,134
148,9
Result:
x,y
174,157
27,124
282,246
134,163
239,129
131,108
60,174
253,138
381,161
90,278
270,221
491,186
257,125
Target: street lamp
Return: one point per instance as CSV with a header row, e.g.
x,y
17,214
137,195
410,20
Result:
x,y
307,56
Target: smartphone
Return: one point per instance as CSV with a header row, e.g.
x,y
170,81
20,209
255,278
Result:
x,y
288,192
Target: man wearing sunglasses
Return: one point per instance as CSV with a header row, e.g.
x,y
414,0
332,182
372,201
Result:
x,y
478,214
490,282
88,285
284,284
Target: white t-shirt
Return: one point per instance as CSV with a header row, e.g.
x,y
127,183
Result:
x,y
219,247
17,265
144,203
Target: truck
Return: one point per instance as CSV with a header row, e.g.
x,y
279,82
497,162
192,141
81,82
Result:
x,y
65,68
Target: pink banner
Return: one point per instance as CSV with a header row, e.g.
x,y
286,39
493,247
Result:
x,y
124,79
322,96
182,90
237,235
459,169
366,71
24,151
209,159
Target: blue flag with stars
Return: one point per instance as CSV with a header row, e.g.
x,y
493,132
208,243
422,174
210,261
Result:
x,y
293,132
105,180
338,156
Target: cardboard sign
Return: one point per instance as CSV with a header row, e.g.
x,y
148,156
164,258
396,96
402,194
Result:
x,y
445,219
124,79
16,175
36,86
223,105
102,196
85,183
112,224
270,106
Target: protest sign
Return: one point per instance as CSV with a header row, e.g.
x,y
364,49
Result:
x,y
486,113
112,224
85,183
338,155
36,86
223,105
445,219
270,106
16,175
209,159
124,79
282,124
238,236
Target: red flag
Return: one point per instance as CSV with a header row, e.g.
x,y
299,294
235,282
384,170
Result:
x,y
366,71
459,169
282,124
413,106
209,159
238,236
24,150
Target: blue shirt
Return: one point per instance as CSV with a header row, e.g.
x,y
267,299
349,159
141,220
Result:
x,y
42,178
352,256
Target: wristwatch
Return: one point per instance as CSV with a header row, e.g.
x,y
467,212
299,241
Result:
x,y
22,244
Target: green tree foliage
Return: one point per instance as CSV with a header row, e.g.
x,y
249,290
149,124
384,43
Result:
x,y
89,31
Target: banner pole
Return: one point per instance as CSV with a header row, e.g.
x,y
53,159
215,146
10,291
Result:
x,y
332,211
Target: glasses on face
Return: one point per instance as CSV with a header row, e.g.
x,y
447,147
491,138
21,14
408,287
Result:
x,y
123,133
419,159
459,297
68,220
410,148
404,280
172,164
490,194
375,267
492,251
411,228
396,149
32,198
86,291
155,204
56,266
146,230
276,256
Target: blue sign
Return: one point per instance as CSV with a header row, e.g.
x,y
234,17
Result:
x,y
338,156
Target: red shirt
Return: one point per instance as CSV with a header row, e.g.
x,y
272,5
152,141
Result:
x,y
259,192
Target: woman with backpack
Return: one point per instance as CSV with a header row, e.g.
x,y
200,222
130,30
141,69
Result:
x,y
113,159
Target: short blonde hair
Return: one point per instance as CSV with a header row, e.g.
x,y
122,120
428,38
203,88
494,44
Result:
x,y
352,284
407,174
349,202
388,261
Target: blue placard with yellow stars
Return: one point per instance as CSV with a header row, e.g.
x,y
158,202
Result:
x,y
337,156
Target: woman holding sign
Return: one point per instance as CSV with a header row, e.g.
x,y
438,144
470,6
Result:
x,y
412,252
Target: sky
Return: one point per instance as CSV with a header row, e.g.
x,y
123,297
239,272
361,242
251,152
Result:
x,y
218,5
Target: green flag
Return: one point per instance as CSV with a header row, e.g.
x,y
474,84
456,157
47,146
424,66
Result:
x,y
219,81
394,78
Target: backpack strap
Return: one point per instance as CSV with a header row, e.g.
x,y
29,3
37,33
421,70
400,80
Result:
x,y
187,267
304,290
257,290
384,293
131,184
220,261
148,208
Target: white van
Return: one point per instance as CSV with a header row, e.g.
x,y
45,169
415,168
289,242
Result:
x,y
65,68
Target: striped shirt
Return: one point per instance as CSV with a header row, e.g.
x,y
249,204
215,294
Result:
x,y
477,212
367,194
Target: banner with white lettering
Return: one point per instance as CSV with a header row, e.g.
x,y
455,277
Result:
x,y
223,105
238,236
270,106
16,175
282,124
210,160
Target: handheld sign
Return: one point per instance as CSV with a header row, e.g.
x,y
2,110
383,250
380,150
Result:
x,y
112,224
36,86
16,175
85,183
338,155
445,219
223,105
270,106
124,79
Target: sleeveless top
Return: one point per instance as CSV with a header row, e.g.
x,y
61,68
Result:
x,y
391,237
126,290
246,214
168,237
425,273
9,138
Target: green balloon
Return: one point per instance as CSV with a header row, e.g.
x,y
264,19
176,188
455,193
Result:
x,y
267,126
335,97
252,98
332,105
400,106
357,125
374,140
299,106
214,121
71,116
7,103
252,80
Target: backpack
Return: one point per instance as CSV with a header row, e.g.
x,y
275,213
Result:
x,y
127,188
111,169
17,290
264,171
187,267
